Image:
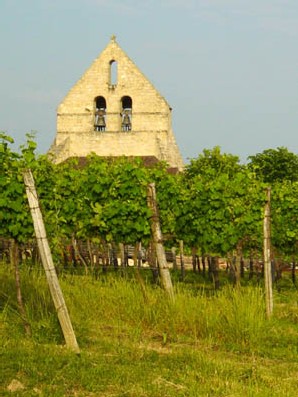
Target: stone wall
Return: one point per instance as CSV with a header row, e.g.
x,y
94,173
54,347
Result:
x,y
151,133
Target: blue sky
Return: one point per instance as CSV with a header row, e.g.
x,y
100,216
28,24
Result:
x,y
228,68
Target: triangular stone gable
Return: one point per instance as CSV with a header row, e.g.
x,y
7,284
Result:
x,y
148,131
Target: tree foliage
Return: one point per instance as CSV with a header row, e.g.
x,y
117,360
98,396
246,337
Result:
x,y
213,162
275,165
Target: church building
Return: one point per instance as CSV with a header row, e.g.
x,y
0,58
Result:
x,y
114,110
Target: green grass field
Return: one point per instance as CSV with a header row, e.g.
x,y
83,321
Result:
x,y
136,343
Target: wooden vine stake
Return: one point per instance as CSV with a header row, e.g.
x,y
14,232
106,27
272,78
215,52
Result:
x,y
267,256
47,261
164,272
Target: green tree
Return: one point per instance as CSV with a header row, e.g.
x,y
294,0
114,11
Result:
x,y
275,165
213,159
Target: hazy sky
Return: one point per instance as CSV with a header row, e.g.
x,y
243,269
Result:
x,y
228,68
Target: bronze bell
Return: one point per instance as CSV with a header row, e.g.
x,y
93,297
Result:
x,y
126,124
99,118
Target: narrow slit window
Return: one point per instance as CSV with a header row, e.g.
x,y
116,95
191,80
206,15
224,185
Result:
x,y
113,73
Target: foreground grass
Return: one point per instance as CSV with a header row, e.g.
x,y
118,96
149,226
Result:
x,y
135,343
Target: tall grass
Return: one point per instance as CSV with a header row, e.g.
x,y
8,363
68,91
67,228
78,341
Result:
x,y
116,305
135,342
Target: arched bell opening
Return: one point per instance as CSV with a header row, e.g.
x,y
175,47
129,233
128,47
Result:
x,y
100,114
126,113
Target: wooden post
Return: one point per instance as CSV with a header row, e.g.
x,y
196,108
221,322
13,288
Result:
x,y
214,271
47,261
251,266
236,267
173,250
78,254
293,272
157,239
122,254
140,254
203,265
182,265
194,259
267,256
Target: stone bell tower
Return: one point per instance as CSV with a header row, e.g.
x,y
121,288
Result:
x,y
114,110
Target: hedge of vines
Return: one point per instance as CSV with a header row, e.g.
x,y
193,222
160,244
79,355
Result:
x,y
215,205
